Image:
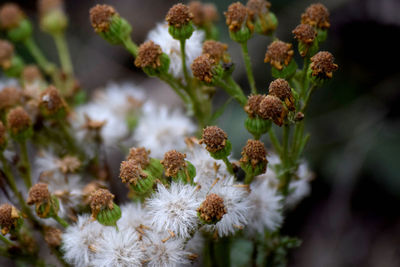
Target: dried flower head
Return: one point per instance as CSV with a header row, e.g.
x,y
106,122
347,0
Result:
x,y
131,172
45,6
236,16
179,15
271,107
51,100
140,155
53,236
69,164
316,15
100,199
8,217
257,7
322,65
278,54
9,97
3,136
216,50
304,33
38,194
196,8
212,209
18,120
281,89
253,105
210,12
89,189
100,17
10,16
214,138
202,68
6,54
31,73
173,162
254,153
148,55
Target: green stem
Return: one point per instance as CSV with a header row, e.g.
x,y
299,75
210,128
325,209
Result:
x,y
5,240
47,67
274,141
306,101
285,158
248,178
183,57
233,89
60,221
130,46
63,53
26,164
249,70
228,165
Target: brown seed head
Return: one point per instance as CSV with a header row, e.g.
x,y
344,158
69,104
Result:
x,y
322,65
3,136
304,33
278,54
212,209
53,236
18,120
6,53
316,15
253,105
210,13
10,16
89,189
271,107
69,164
179,15
140,155
100,17
254,153
236,16
100,199
148,55
46,6
51,100
31,73
131,172
257,7
9,97
173,162
8,217
38,194
281,89
202,68
216,50
214,138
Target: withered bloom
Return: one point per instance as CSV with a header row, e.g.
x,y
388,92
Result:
x,y
212,209
281,89
131,172
216,50
254,153
279,54
322,65
173,162
179,15
236,16
100,17
148,55
202,68
140,155
271,107
214,138
253,105
316,15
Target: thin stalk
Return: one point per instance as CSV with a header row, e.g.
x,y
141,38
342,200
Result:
x,y
307,100
5,240
60,221
48,67
228,165
233,89
130,46
286,176
274,141
63,53
26,164
249,70
183,57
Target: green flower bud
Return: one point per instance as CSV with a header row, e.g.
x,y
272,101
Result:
x,y
280,55
321,67
216,141
179,19
151,59
16,67
305,35
104,210
139,179
54,21
257,126
22,32
205,69
177,168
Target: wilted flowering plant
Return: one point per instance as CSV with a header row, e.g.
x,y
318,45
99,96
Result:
x,y
190,201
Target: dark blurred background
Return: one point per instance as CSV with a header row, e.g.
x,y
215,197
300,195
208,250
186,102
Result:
x,y
352,217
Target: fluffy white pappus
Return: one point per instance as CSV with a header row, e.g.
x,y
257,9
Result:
x,y
237,204
207,168
299,188
160,129
171,47
80,241
174,209
266,212
163,251
133,216
119,249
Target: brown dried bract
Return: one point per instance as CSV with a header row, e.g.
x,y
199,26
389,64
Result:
x,y
18,120
236,16
212,209
140,155
69,164
38,194
89,189
257,7
271,107
202,68
9,97
8,217
53,236
131,172
179,15
148,55
316,15
278,54
254,153
51,100
304,33
100,17
322,65
10,16
216,50
281,89
6,54
214,138
253,105
100,199
173,162
31,73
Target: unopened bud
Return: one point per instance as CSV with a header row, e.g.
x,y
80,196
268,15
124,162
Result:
x,y
179,19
